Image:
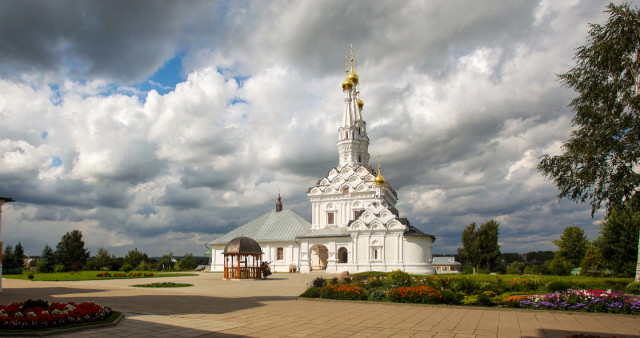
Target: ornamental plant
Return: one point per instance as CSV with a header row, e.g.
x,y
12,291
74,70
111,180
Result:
x,y
341,291
415,294
581,300
39,314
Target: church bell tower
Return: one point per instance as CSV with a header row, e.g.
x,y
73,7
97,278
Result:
x,y
353,142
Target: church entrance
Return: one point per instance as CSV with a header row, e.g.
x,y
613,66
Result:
x,y
319,256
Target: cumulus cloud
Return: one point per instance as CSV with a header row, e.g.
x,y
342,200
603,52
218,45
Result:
x,y
461,99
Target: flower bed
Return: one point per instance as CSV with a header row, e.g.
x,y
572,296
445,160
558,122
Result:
x,y
516,292
579,300
123,275
39,314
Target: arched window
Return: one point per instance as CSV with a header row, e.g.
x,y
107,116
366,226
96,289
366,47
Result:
x,y
375,253
343,256
345,191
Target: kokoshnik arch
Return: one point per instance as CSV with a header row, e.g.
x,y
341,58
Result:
x,y
355,226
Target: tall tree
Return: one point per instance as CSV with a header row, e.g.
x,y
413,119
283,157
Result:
x,y
470,251
593,261
18,255
572,245
8,262
71,252
617,240
47,259
135,257
480,246
600,160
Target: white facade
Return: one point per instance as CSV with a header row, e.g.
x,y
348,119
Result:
x,y
355,226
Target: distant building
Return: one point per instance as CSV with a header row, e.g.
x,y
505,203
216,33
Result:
x,y
446,265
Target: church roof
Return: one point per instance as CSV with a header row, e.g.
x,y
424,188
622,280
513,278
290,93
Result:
x,y
327,232
274,226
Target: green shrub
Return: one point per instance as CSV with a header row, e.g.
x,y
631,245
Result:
x,y
143,266
31,275
400,278
376,283
558,285
466,285
34,303
312,292
467,270
484,299
377,295
126,267
449,297
633,288
58,268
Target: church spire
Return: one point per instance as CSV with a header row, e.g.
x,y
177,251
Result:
x,y
353,142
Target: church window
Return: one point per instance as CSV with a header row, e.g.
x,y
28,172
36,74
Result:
x,y
357,214
346,135
345,191
343,256
376,251
359,158
375,254
331,218
280,254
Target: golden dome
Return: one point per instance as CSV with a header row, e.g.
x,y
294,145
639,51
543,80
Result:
x,y
347,84
354,77
379,179
360,104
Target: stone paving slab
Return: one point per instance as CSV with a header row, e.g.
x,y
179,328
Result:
x,y
217,308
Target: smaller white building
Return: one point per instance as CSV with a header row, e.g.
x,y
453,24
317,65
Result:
x,y
446,265
275,231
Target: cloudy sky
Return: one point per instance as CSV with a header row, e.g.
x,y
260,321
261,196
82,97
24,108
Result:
x,y
160,125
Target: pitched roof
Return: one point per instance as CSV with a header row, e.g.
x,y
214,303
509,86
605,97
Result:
x,y
273,226
445,261
327,232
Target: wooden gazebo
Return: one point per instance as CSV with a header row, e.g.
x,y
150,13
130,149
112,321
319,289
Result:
x,y
242,259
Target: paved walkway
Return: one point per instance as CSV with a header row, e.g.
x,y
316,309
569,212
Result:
x,y
217,308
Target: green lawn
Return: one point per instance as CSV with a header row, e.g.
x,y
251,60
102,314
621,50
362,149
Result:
x,y
89,275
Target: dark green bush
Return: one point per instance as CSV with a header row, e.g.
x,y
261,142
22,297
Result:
x,y
34,303
484,300
127,267
449,297
312,292
376,283
400,278
557,285
633,288
466,285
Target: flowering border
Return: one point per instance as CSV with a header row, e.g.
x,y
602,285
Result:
x,y
14,316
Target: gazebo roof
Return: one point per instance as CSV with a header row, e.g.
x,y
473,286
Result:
x,y
242,245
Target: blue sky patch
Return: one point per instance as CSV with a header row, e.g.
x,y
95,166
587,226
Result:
x,y
44,134
55,162
165,79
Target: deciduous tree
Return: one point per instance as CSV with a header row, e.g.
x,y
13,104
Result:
x,y
617,240
601,158
572,245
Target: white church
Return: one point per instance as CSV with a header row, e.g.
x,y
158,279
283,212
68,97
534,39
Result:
x,y
355,226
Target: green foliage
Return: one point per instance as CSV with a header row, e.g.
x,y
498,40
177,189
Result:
x,y
127,267
599,158
633,288
480,246
188,262
536,270
539,257
558,266
399,278
8,263
135,257
165,262
313,292
593,261
34,303
58,268
572,245
143,266
515,268
47,260
70,251
618,240
449,297
510,257
377,295
557,285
